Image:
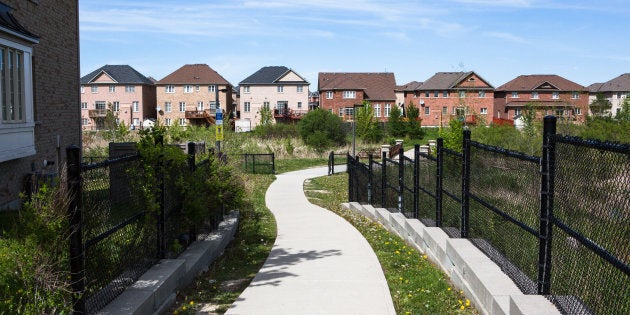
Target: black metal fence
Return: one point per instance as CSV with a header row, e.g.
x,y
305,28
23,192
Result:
x,y
123,221
259,163
558,225
336,159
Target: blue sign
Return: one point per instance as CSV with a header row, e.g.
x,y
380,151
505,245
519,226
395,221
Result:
x,y
219,115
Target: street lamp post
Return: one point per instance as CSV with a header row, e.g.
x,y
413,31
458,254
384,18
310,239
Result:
x,y
354,127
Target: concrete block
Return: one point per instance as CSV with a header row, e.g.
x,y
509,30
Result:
x,y
531,305
369,211
382,215
435,242
415,232
398,223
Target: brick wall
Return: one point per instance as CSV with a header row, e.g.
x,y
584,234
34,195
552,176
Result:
x,y
55,88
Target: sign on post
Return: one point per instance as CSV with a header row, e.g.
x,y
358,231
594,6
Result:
x,y
219,124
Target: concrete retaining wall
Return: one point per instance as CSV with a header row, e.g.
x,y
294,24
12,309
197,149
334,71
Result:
x,y
470,270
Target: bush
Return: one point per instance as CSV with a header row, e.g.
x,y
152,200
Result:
x,y
320,129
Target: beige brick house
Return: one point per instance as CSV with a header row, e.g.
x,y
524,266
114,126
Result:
x,y
41,40
188,96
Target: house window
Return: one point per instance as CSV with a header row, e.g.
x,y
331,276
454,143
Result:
x,y
388,108
517,112
482,93
300,89
462,94
245,89
182,106
280,89
167,121
182,121
82,89
349,94
94,88
112,89
575,95
329,95
555,95
427,111
377,110
136,121
299,105
484,111
445,94
349,111
444,110
266,105
135,106
196,88
426,94
130,89
116,106
100,105
436,94
85,121
168,107
169,89
247,107
84,105
200,105
514,94
212,104
578,111
340,111
534,95
188,88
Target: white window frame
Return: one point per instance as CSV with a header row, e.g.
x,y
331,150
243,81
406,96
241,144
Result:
x,y
197,88
199,105
514,95
168,107
575,95
135,106
300,89
427,111
388,109
555,95
247,107
245,89
349,94
85,121
136,122
445,94
444,110
182,107
167,121
377,110
266,105
299,104
329,95
280,89
84,105
102,105
482,94
116,106
112,88
182,121
483,111
94,88
169,88
535,95
188,88
517,111
578,111
130,88
82,89
462,94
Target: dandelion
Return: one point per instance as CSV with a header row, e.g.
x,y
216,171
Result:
x,y
397,253
184,308
462,307
192,303
409,295
386,243
467,302
449,289
400,278
459,301
424,256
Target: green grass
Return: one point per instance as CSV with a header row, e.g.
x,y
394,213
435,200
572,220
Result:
x,y
288,165
416,285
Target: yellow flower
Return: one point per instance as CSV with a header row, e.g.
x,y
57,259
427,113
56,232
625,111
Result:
x,y
467,302
192,303
459,301
397,252
424,256
184,308
462,307
449,289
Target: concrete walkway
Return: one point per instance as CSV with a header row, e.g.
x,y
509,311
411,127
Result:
x,y
319,264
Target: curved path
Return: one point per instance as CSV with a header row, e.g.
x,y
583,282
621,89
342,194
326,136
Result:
x,y
319,264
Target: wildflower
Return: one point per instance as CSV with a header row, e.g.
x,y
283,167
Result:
x,y
397,253
386,243
424,256
462,307
184,308
409,295
459,301
449,289
192,303
467,302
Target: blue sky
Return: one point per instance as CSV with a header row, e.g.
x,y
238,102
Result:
x,y
583,41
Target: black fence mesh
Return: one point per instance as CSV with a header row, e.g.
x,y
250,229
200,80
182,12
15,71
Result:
x,y
504,211
377,185
452,192
360,181
176,232
427,176
391,185
258,163
120,239
408,200
592,199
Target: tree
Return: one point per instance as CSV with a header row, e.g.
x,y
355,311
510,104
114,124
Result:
x,y
320,129
396,124
266,116
367,126
529,117
453,135
623,115
414,128
600,107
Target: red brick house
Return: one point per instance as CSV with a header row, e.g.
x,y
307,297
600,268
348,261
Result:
x,y
453,95
39,52
549,94
340,91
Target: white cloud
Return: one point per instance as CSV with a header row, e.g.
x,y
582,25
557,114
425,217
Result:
x,y
507,36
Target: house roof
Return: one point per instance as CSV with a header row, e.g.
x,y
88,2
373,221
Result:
x,y
122,74
618,84
272,75
376,86
449,80
593,88
540,82
12,26
409,87
194,74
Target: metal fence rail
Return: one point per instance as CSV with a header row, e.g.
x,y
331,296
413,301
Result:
x,y
259,163
558,225
336,159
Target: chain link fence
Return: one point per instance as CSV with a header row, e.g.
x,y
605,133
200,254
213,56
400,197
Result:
x,y
258,163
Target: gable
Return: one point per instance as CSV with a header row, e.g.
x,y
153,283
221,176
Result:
x,y
291,77
472,80
103,77
546,86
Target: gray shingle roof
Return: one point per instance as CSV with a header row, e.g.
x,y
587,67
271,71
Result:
x,y
194,74
270,75
376,86
449,80
8,22
618,84
122,74
538,81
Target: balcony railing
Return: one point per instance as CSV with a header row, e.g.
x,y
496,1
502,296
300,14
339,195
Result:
x,y
200,114
289,113
96,113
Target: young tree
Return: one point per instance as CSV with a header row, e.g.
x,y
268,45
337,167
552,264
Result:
x,y
367,126
529,117
266,116
623,115
320,129
600,107
396,125
414,127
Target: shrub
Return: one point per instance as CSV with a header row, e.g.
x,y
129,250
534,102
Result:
x,y
320,129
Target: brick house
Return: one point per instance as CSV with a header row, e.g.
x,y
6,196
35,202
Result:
x,y
340,91
549,94
453,95
189,94
615,90
121,89
40,40
407,91
278,88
